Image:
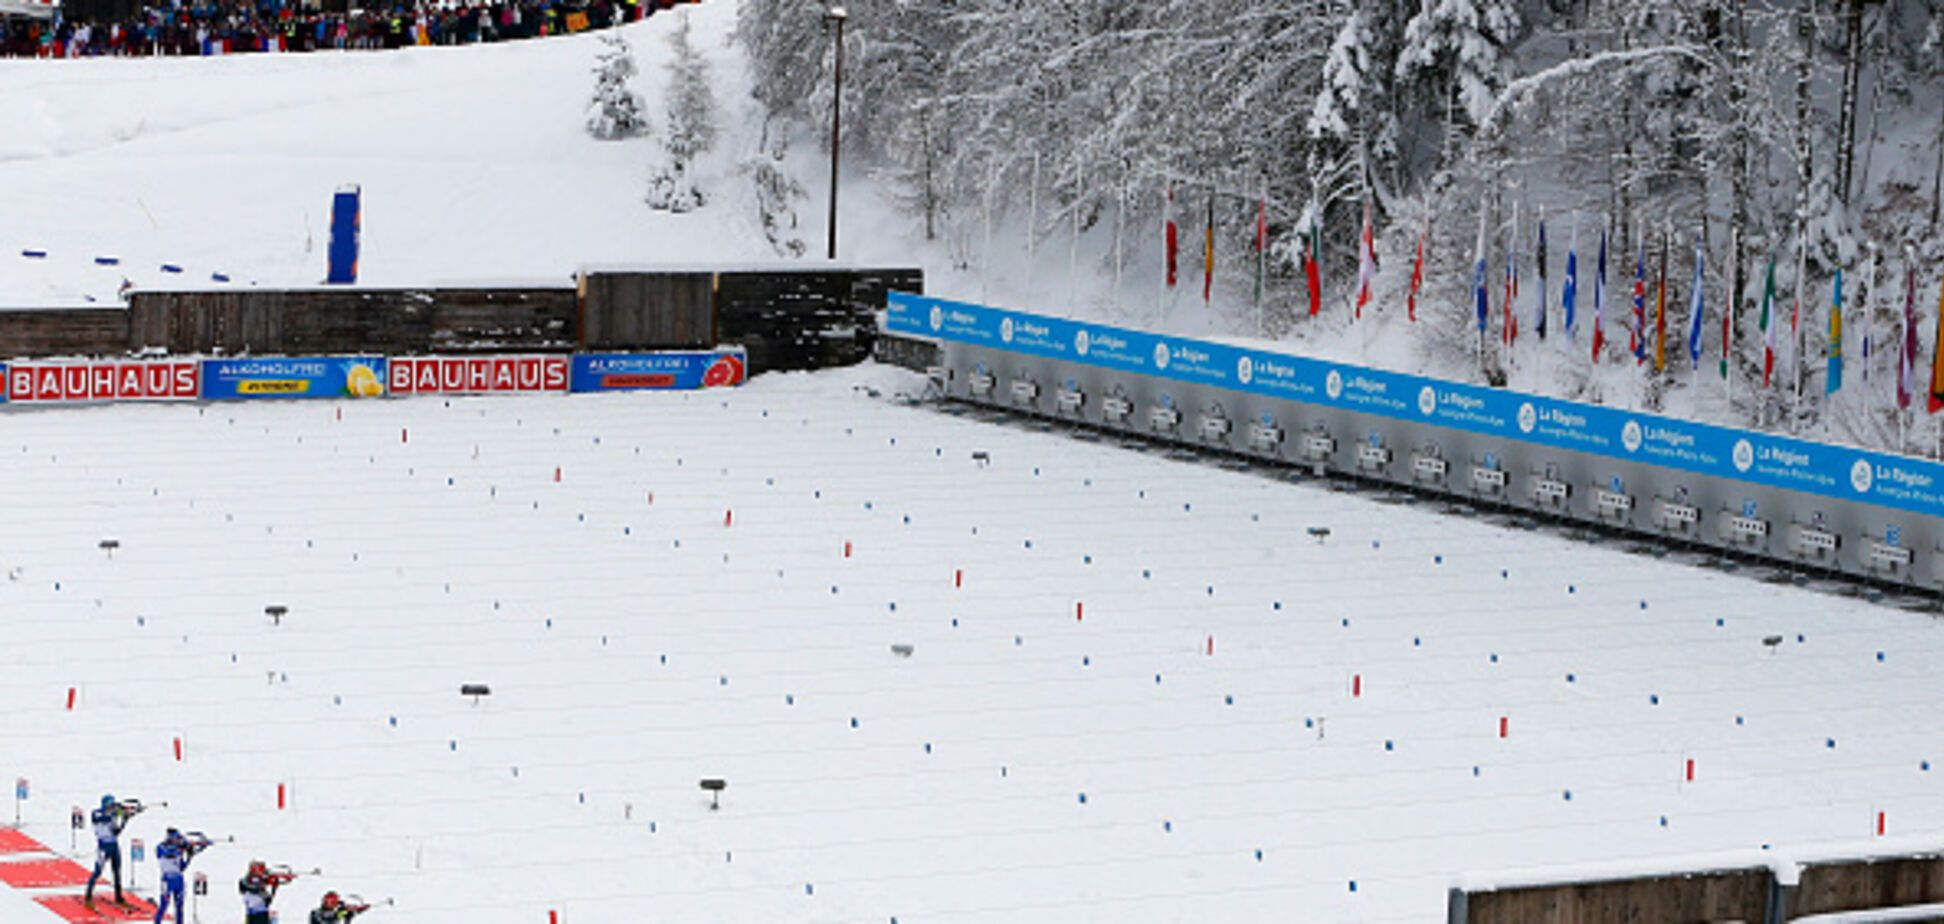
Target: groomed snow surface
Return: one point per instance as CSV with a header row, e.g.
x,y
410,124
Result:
x,y
1060,744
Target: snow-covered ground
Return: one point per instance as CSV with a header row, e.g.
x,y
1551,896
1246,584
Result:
x,y
1060,745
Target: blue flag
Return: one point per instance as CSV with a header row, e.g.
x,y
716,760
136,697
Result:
x,y
1478,285
1835,376
1639,333
1571,293
1697,303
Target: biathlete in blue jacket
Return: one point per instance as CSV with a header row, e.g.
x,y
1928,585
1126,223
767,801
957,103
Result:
x,y
173,855
109,820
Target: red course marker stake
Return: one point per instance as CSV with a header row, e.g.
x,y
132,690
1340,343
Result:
x,y
178,750
1356,685
280,797
1079,611
553,917
1690,770
556,474
70,707
847,549
1211,646
1880,824
728,518
404,435
958,577
1503,730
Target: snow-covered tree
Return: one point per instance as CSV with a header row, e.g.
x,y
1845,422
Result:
x,y
615,111
1456,51
690,124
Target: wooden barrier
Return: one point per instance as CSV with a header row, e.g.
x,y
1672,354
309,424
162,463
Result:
x,y
1719,895
786,318
351,320
1858,885
1905,888
64,332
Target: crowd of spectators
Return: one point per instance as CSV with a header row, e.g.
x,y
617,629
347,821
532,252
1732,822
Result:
x,y
215,27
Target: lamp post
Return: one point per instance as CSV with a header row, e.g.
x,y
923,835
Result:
x,y
836,17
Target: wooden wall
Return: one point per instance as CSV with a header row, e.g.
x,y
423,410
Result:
x,y
1859,885
64,332
1727,895
786,318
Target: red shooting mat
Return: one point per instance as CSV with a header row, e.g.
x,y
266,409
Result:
x,y
105,910
42,874
12,841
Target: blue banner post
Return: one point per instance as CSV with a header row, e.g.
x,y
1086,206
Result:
x,y
347,218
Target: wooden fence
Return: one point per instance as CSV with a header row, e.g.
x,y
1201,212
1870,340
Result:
x,y
1753,894
786,318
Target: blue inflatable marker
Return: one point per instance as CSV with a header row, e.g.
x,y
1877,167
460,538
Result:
x,y
347,220
218,277
34,254
107,261
171,268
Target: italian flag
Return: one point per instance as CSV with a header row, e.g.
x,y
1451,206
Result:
x,y
1769,324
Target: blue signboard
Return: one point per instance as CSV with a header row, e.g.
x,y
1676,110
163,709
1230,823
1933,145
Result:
x,y
1840,472
639,371
293,377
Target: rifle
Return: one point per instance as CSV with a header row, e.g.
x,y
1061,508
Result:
x,y
284,875
355,905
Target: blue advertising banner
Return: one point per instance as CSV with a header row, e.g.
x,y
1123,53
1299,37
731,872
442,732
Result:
x,y
1840,472
637,371
293,377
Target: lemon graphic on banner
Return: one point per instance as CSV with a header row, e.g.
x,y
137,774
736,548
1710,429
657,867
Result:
x,y
361,382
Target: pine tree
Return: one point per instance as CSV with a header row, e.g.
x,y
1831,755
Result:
x,y
691,122
615,111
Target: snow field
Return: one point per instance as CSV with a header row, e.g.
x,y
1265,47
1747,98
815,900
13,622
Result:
x,y
1022,764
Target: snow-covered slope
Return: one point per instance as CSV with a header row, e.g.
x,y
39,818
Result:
x,y
1061,744
474,163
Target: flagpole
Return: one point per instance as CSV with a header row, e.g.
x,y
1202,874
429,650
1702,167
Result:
x,y
1730,305
1073,245
1120,222
1798,335
985,275
1032,229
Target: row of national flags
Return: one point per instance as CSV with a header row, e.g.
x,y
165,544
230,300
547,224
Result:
x,y
1646,335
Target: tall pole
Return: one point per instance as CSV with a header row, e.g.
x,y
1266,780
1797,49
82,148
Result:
x,y
836,15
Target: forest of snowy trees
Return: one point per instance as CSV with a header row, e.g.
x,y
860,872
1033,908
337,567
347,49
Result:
x,y
1810,133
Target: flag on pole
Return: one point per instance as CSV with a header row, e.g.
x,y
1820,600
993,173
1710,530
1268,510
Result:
x,y
1833,379
1512,282
1907,360
1417,273
1208,253
1869,293
1313,274
1171,245
1697,302
1769,324
1478,281
1660,312
1730,304
1637,337
1599,299
1937,360
1366,263
1570,295
1261,243
1539,325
